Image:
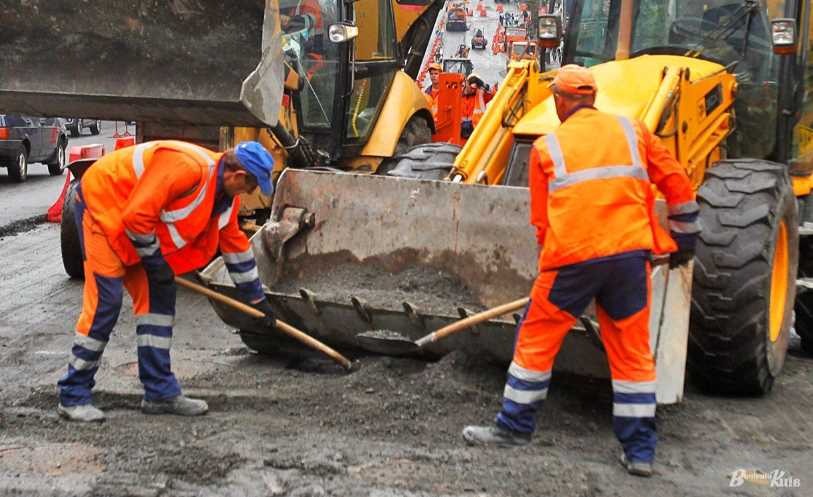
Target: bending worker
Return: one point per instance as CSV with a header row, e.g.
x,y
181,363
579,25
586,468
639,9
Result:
x,y
592,206
146,213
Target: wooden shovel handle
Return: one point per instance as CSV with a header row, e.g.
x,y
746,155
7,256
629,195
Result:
x,y
282,326
472,320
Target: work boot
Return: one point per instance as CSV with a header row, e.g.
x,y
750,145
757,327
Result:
x,y
637,468
180,405
86,413
495,435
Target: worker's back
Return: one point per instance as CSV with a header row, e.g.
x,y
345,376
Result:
x,y
108,186
599,197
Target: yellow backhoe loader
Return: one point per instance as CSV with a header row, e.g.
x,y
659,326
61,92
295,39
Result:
x,y
726,86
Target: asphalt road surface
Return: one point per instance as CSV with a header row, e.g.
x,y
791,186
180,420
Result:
x,y
32,198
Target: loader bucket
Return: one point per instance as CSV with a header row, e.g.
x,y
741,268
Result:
x,y
344,254
201,62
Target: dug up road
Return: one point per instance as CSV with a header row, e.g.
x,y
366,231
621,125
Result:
x,y
279,427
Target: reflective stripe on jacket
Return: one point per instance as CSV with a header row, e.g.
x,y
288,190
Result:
x,y
591,193
474,106
162,194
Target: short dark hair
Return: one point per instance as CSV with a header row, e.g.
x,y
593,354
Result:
x,y
230,161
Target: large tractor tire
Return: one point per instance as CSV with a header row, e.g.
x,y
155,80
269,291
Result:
x,y
69,236
744,277
416,132
427,161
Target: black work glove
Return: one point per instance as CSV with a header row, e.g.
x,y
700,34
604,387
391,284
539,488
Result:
x,y
268,322
159,272
685,251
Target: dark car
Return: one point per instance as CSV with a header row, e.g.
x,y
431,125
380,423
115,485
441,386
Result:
x,y
24,140
478,41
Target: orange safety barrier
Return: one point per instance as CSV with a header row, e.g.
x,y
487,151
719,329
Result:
x,y
127,141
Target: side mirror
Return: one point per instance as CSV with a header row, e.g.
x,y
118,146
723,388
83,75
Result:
x,y
550,31
783,36
340,33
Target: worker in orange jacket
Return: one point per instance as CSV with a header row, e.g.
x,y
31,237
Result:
x,y
593,208
473,105
433,90
146,213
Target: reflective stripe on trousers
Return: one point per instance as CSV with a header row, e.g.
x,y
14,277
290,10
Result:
x,y
620,287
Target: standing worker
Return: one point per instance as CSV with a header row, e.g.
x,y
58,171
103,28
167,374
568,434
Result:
x,y
433,90
474,104
144,214
593,208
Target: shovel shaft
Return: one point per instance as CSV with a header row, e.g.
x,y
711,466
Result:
x,y
472,320
280,325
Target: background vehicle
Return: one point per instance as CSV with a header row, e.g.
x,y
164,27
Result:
x,y
521,50
76,124
456,17
460,66
25,140
479,40
513,34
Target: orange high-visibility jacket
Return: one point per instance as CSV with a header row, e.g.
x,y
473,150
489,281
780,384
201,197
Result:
x,y
432,98
591,189
164,189
474,106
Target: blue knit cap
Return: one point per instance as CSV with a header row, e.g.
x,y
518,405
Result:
x,y
257,161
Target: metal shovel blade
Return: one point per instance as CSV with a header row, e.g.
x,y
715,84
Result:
x,y
386,342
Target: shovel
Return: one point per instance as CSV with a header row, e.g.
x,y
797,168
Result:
x,y
284,327
391,343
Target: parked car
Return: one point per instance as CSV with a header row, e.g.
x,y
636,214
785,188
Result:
x,y
24,140
76,124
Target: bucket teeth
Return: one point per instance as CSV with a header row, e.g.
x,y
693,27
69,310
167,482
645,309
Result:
x,y
310,297
412,313
464,313
362,308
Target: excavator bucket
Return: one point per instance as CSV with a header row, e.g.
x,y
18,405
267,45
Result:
x,y
345,254
189,62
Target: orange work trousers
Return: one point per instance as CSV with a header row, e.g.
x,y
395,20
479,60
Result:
x,y
620,286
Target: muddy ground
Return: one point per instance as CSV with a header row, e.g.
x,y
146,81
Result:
x,y
278,427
